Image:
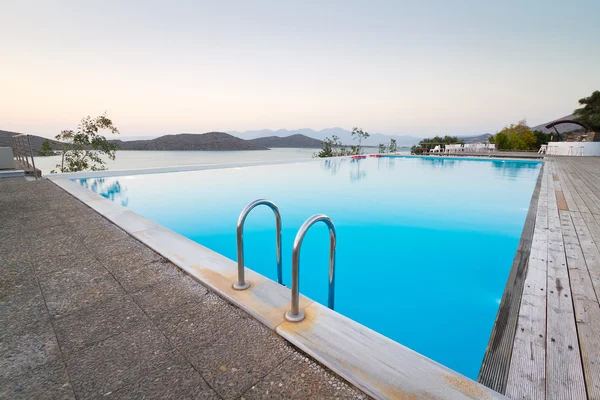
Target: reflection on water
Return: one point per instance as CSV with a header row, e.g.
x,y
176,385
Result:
x,y
355,172
110,188
333,164
511,169
441,162
386,162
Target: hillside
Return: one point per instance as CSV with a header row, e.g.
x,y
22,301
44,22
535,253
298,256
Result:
x,y
216,141
288,141
345,136
36,141
476,139
564,128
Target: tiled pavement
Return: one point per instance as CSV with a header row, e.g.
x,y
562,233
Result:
x,y
86,311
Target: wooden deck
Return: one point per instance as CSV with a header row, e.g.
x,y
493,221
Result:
x,y
556,342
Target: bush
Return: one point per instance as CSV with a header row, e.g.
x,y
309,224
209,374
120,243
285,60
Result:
x,y
333,148
519,137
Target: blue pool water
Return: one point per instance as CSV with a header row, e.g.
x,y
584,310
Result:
x,y
425,245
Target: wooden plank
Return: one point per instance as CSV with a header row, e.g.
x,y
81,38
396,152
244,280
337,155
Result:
x,y
593,225
590,251
589,198
560,199
587,311
589,176
586,183
564,187
564,371
565,176
496,361
585,202
527,373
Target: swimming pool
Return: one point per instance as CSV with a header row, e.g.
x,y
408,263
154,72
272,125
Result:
x,y
424,244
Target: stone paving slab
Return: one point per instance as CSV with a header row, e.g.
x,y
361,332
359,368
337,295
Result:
x,y
67,291
183,292
87,311
120,360
27,348
193,327
95,324
49,381
135,276
240,358
173,382
21,304
301,378
52,263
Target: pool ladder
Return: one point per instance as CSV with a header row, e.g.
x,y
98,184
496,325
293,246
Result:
x,y
294,314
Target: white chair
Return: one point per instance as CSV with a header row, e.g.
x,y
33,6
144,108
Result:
x,y
491,147
436,149
543,149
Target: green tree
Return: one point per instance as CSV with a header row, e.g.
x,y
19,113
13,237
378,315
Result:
x,y
83,149
329,146
382,148
392,147
541,138
46,150
358,133
589,114
326,148
517,137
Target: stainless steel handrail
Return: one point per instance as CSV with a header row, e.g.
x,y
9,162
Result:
x,y
295,314
35,172
21,145
241,283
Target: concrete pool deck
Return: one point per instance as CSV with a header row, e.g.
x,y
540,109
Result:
x,y
88,311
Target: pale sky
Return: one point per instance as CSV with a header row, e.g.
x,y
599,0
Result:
x,y
397,67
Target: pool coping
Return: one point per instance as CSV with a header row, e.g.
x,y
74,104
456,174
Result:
x,y
377,365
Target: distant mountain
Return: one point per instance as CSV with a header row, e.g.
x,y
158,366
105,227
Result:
x,y
36,141
563,128
288,141
476,139
344,135
217,141
131,138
